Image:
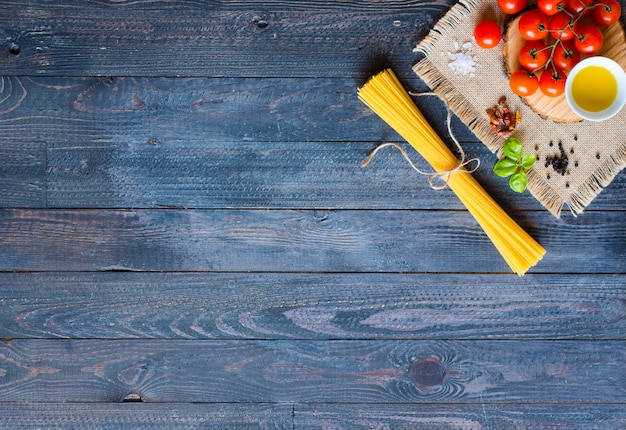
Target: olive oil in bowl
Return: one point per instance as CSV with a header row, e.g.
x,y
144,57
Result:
x,y
596,88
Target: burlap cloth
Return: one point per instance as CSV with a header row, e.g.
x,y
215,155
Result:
x,y
596,151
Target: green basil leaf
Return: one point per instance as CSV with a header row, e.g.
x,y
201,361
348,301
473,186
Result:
x,y
505,167
528,160
513,149
518,181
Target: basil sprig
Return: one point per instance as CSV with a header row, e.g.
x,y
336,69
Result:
x,y
515,164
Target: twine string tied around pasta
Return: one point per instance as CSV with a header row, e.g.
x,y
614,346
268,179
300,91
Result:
x,y
442,175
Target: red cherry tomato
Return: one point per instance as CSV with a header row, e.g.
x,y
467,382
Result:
x,y
607,12
551,7
562,25
524,83
533,25
487,34
552,84
534,55
565,56
511,7
589,39
576,6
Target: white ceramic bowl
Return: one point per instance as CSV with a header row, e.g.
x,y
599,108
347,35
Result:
x,y
620,76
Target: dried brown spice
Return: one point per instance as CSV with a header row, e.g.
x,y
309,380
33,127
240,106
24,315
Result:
x,y
501,119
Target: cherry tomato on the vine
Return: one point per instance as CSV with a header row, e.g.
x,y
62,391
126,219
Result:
x,y
487,34
562,25
534,55
533,25
565,56
524,83
551,7
552,83
607,12
589,39
511,7
576,6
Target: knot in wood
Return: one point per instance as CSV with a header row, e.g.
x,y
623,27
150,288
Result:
x,y
427,373
14,48
132,397
260,22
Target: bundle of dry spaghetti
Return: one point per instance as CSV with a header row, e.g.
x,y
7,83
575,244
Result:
x,y
385,95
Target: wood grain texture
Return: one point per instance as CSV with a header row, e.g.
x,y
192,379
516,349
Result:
x,y
295,241
145,416
313,371
182,38
122,305
463,417
195,113
22,161
22,174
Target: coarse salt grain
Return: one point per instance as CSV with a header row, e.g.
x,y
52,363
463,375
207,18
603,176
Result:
x,y
462,61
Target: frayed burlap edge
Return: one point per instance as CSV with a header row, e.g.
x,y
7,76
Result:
x,y
600,178
541,190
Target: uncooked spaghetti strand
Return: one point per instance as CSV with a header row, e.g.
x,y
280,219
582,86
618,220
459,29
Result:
x,y
436,143
492,225
385,95
497,236
491,210
520,247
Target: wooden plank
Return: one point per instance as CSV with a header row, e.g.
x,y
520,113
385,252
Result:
x,y
254,175
268,175
124,305
194,113
466,417
181,38
145,416
296,241
182,142
263,416
476,371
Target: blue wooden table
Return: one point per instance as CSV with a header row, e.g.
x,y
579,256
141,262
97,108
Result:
x,y
187,239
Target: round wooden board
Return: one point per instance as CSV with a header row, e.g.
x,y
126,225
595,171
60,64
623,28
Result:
x,y
556,108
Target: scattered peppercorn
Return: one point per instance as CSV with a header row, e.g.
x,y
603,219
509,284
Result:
x,y
559,162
